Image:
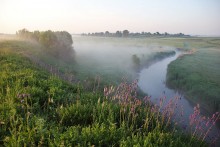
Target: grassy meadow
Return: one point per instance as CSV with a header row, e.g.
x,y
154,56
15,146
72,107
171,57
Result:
x,y
197,75
45,102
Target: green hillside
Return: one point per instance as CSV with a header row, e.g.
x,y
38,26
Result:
x,y
37,108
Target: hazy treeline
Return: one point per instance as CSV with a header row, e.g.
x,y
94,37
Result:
x,y
126,33
58,43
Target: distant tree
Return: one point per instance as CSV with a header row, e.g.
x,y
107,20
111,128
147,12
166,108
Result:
x,y
125,33
137,34
149,33
118,34
102,34
24,33
157,33
99,34
36,35
181,34
107,33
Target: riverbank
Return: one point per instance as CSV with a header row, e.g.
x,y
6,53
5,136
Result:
x,y
197,75
152,81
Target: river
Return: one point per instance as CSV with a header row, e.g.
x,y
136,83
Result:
x,y
109,55
152,80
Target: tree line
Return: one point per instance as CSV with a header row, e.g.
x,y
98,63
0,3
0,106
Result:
x,y
58,43
126,33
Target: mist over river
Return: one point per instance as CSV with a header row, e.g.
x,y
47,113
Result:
x,y
113,56
152,81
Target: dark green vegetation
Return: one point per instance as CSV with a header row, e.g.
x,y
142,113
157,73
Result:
x,y
39,109
198,76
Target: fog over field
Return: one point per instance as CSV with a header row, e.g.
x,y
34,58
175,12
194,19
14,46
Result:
x,y
110,73
105,55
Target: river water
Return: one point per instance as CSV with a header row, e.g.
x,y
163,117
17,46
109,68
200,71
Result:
x,y
152,80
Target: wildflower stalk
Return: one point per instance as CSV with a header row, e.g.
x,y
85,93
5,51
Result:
x,y
217,118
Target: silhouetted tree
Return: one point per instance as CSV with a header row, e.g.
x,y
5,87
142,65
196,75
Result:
x,y
157,33
125,33
118,34
107,33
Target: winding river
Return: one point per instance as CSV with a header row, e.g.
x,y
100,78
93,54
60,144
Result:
x,y
102,54
152,80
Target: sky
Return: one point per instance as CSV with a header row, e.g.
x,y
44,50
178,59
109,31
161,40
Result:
x,y
193,17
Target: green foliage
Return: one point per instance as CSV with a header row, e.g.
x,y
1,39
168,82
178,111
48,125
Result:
x,y
76,114
58,44
48,39
197,75
38,109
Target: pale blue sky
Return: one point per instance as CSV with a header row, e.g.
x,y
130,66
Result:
x,y
197,17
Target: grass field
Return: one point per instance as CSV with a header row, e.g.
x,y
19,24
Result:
x,y
45,102
198,74
37,108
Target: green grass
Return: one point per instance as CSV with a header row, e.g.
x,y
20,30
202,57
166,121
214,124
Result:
x,y
39,109
197,75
